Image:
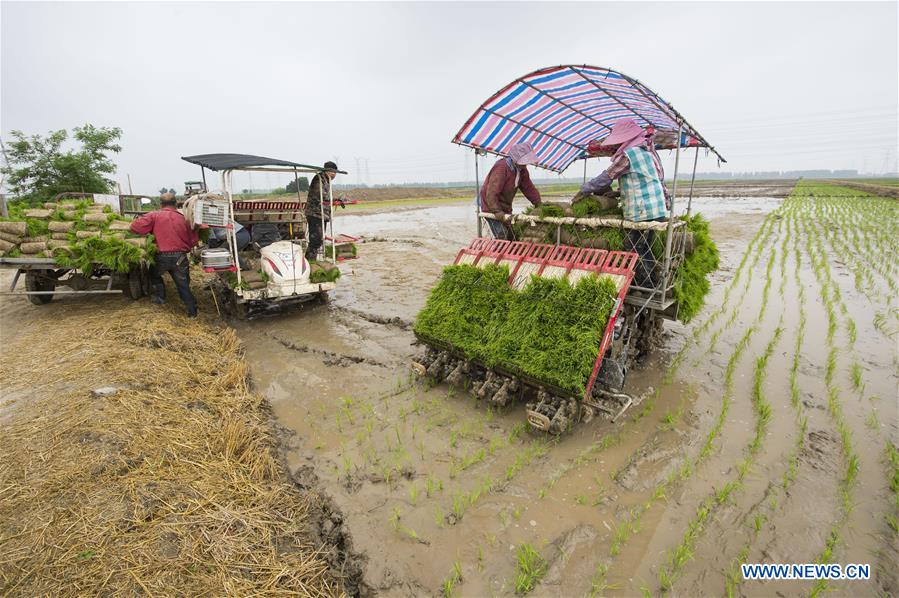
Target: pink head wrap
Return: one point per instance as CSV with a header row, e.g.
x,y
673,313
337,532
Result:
x,y
627,133
522,154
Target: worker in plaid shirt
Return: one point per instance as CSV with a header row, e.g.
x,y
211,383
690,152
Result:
x,y
637,168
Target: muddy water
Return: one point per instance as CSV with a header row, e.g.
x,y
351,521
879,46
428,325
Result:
x,y
427,477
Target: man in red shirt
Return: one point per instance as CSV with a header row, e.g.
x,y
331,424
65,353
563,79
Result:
x,y
507,176
174,239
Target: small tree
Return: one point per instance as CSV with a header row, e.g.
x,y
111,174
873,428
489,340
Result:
x,y
163,191
38,168
292,185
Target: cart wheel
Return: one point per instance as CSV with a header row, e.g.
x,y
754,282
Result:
x,y
135,284
37,282
323,297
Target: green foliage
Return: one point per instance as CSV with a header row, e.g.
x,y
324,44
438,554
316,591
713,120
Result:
x,y
550,211
550,330
322,274
529,568
292,185
38,168
590,207
110,253
692,284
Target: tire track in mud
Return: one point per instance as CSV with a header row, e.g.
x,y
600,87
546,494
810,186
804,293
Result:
x,y
855,467
679,475
764,510
329,358
706,510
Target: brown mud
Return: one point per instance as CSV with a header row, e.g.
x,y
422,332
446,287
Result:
x,y
425,478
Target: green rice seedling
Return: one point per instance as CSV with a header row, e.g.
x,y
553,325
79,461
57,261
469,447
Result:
x,y
395,520
455,578
857,377
413,494
529,568
549,330
439,516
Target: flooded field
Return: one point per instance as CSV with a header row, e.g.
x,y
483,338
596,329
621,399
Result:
x,y
763,433
760,438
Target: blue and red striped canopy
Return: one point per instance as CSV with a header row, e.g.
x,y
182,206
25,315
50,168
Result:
x,y
563,111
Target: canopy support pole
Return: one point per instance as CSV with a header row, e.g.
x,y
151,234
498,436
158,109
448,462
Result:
x,y
203,172
331,221
669,235
585,170
232,235
692,180
477,196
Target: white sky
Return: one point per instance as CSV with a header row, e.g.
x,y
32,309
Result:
x,y
775,86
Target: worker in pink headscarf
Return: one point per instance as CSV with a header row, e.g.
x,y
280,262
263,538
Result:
x,y
637,168
508,175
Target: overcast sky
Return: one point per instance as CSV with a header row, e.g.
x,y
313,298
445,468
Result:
x,y
774,86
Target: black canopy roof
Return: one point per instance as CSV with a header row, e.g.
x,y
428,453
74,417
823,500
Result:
x,y
232,161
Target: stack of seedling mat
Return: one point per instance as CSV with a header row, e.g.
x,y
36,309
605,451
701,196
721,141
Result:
x,y
323,272
691,280
531,315
76,234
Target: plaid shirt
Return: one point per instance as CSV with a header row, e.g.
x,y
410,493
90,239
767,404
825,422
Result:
x,y
621,167
643,195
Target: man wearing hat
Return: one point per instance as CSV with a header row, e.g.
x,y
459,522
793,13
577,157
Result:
x,y
638,169
318,208
507,176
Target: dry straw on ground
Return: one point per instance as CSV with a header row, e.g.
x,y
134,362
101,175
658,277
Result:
x,y
171,485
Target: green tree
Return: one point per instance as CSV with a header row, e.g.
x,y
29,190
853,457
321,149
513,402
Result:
x,y
37,167
292,185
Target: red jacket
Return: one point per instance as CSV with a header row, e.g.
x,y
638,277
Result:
x,y
499,188
170,229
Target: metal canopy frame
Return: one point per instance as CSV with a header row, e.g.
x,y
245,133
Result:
x,y
676,121
648,103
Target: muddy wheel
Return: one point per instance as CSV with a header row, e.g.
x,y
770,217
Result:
x,y
650,329
35,281
135,284
322,297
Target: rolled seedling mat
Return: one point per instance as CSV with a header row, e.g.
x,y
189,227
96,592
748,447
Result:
x,y
6,246
95,217
58,226
9,238
32,248
54,244
14,228
95,207
59,236
256,284
87,234
50,205
38,213
37,239
119,225
137,241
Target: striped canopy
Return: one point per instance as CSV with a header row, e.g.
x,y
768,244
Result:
x,y
564,111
